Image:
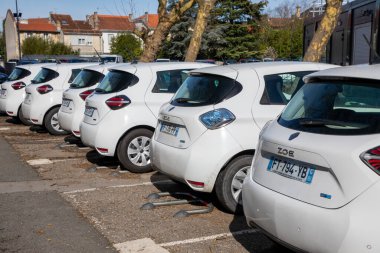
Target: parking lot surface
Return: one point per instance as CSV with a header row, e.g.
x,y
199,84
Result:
x,y
58,196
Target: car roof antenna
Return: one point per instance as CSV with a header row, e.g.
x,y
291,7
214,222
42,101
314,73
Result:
x,y
100,58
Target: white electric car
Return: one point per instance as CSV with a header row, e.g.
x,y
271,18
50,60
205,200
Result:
x,y
70,114
207,134
13,90
315,182
121,114
44,95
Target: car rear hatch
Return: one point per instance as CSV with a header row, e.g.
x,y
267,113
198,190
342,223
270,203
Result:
x,y
315,151
15,79
110,87
82,86
44,76
180,121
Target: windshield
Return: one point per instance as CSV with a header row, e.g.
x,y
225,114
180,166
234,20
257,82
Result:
x,y
18,73
115,81
86,78
201,90
44,75
332,107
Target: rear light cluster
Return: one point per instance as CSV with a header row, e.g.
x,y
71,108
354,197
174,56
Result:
x,y
118,102
85,94
372,159
44,89
18,85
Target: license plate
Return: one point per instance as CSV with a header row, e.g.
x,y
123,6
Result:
x,y
169,129
89,111
291,170
65,102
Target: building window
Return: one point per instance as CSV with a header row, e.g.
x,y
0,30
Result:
x,y
110,37
46,36
81,41
28,35
89,42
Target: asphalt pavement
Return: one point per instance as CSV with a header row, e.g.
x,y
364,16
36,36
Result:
x,y
40,221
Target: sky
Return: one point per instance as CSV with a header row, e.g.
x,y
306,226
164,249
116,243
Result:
x,y
78,9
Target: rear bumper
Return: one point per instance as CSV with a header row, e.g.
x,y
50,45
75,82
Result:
x,y
12,103
201,162
70,121
309,228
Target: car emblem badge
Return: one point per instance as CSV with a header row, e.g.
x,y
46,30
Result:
x,y
293,136
170,109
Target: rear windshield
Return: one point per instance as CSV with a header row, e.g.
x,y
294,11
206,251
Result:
x,y
335,107
18,73
86,78
201,90
74,73
116,81
45,75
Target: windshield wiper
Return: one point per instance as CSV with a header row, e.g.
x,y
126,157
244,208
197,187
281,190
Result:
x,y
99,90
327,122
182,100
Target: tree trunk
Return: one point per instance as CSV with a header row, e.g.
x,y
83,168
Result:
x,y
166,21
322,35
203,13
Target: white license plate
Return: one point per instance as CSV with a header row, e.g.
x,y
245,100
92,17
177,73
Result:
x,y
65,102
169,129
89,111
291,170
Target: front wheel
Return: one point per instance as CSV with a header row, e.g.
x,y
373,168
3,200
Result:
x,y
229,184
51,123
133,151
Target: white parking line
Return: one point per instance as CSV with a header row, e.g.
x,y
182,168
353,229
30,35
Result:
x,y
39,161
120,186
145,245
4,128
207,238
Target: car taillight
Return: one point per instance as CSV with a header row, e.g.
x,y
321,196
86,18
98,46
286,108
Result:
x,y
217,118
118,102
372,159
18,85
44,89
85,94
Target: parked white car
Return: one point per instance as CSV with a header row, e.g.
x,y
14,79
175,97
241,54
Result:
x,y
315,182
121,114
70,114
13,90
44,95
207,134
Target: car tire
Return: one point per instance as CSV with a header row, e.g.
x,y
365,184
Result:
x,y
51,123
229,195
133,151
22,119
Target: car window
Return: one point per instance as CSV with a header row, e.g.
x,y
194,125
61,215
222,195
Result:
x,y
45,75
335,107
279,88
169,81
18,73
74,73
115,81
205,89
86,78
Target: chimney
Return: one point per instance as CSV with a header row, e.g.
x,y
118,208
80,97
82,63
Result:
x,y
298,11
58,25
96,21
146,17
130,16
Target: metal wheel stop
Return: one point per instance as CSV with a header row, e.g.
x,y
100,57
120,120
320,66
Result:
x,y
208,207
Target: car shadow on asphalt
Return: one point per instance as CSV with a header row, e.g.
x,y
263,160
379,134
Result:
x,y
98,160
38,129
71,139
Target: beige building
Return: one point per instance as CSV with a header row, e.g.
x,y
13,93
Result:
x,y
41,27
78,34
